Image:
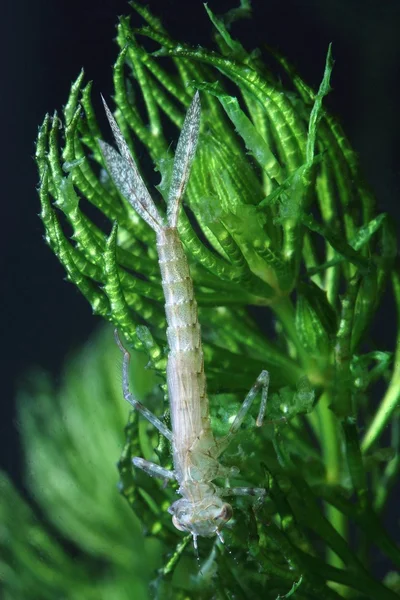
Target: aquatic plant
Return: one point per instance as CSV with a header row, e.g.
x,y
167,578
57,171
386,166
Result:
x,y
277,216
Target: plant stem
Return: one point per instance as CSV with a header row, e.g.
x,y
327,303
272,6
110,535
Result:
x,y
285,312
354,461
328,434
389,476
171,564
392,397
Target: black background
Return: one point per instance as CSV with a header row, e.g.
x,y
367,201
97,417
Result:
x,y
45,45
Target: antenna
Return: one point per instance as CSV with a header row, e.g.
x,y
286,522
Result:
x,y
229,551
196,551
220,536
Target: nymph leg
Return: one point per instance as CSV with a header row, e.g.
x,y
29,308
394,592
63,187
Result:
x,y
260,493
262,382
132,400
153,469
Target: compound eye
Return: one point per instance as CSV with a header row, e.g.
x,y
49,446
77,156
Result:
x,y
177,524
226,513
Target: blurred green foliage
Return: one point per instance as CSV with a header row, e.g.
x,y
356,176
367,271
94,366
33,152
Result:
x,y
77,538
277,216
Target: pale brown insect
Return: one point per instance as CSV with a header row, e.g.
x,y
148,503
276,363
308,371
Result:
x,y
202,510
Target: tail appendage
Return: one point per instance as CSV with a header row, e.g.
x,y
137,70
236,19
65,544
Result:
x,y
125,174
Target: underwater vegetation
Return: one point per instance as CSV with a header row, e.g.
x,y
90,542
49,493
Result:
x,y
290,261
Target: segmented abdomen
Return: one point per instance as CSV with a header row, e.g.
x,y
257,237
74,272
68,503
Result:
x,y
180,305
185,369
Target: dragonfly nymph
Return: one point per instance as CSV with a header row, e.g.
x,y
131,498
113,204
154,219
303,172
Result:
x,y
202,509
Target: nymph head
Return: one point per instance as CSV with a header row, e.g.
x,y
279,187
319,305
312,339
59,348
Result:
x,y
205,518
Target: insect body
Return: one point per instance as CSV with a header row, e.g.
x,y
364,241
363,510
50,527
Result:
x,y
202,509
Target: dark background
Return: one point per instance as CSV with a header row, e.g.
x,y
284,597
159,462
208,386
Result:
x,y
45,45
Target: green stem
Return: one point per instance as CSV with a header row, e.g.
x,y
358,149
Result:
x,y
390,474
388,405
285,312
171,564
328,427
354,461
329,440
392,397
